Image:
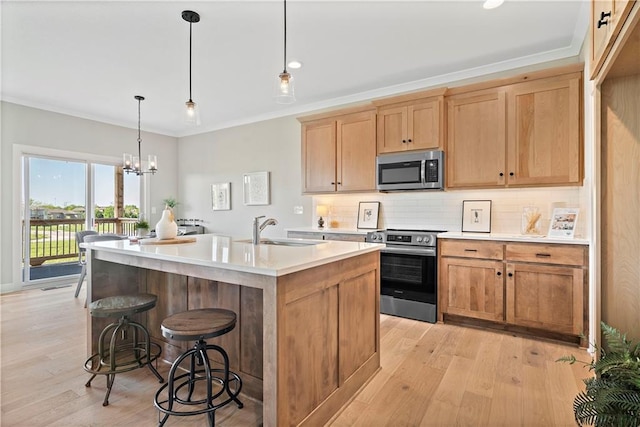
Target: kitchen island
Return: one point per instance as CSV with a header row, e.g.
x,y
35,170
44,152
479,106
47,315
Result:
x,y
307,337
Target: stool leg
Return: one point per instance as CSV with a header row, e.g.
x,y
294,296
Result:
x,y
170,385
88,384
226,374
110,379
202,353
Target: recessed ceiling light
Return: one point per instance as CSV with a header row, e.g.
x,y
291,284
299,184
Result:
x,y
294,64
492,4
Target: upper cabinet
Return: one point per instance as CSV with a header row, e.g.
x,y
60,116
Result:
x,y
519,134
607,18
411,122
339,151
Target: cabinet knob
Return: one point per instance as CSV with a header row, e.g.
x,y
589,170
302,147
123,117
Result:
x,y
511,174
602,21
339,183
499,273
408,140
404,141
333,183
501,174
510,274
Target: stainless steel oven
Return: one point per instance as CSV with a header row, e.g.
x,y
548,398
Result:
x,y
408,273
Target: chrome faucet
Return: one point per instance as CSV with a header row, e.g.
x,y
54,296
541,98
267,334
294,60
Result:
x,y
258,228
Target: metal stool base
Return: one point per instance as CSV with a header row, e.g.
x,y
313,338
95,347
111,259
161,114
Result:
x,y
185,385
125,357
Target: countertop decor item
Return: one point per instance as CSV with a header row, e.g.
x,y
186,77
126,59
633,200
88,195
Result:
x,y
563,222
174,241
368,215
221,196
321,210
531,219
476,216
142,227
256,188
167,228
132,163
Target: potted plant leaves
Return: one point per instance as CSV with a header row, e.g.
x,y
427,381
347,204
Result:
x,y
612,396
142,227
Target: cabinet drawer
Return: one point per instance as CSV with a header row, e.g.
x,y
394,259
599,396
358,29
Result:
x,y
305,235
471,249
547,254
345,236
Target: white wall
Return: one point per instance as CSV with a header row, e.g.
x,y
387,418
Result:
x,y
39,131
223,156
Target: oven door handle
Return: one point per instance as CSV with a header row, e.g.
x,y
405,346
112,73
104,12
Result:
x,y
409,251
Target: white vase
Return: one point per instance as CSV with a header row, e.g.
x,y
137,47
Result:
x,y
166,228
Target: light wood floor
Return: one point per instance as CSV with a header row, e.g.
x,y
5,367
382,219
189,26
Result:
x,y
432,375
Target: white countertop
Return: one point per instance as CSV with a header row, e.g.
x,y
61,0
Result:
x,y
512,238
360,231
212,250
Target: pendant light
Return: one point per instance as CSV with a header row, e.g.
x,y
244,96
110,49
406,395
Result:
x,y
284,88
192,114
132,163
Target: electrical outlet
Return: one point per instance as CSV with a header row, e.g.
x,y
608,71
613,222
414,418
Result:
x,y
298,210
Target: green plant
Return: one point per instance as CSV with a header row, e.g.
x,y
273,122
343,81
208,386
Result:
x,y
141,223
170,201
612,396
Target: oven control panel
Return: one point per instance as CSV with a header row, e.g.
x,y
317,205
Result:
x,y
403,237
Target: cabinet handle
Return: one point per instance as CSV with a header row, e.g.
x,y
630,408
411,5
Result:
x,y
510,274
543,255
602,20
499,273
471,250
501,174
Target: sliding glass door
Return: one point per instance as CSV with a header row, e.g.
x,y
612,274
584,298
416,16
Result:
x,y
63,196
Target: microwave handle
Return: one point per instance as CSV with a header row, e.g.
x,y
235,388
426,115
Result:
x,y
423,172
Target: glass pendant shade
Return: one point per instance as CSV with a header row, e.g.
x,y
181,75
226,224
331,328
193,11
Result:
x,y
127,161
153,162
192,113
285,88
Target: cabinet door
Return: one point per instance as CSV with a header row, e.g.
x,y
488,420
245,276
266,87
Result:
x,y
472,288
392,129
546,297
423,125
356,147
319,156
476,140
544,137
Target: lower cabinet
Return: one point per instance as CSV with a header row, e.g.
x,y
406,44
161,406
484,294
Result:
x,y
540,288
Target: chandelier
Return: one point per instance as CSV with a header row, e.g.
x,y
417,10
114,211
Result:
x,y
131,163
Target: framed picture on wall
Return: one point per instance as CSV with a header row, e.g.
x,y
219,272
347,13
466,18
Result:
x,y
476,216
368,214
256,188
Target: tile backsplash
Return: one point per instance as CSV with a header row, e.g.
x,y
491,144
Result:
x,y
443,210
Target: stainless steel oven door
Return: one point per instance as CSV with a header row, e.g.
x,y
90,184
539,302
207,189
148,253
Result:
x,y
409,274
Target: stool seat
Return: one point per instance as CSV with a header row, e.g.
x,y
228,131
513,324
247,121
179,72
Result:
x,y
193,325
122,305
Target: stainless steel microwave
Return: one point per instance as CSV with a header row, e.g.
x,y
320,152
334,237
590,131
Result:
x,y
418,170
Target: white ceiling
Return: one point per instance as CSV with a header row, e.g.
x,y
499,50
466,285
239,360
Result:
x,y
89,58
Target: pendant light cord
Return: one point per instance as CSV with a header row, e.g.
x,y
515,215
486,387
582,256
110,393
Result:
x,y
139,139
190,37
285,36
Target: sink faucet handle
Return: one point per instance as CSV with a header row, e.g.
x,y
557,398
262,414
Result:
x,y
256,219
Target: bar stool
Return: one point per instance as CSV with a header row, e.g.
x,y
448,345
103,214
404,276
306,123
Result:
x,y
122,355
198,325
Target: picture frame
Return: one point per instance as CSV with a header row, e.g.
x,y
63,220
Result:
x,y
255,188
476,216
563,222
368,213
221,196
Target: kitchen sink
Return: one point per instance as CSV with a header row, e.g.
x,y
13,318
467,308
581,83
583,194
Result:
x,y
284,242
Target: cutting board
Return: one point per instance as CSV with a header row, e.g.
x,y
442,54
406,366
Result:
x,y
175,241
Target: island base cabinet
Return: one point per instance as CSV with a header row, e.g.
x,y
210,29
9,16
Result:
x,y
545,297
328,331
